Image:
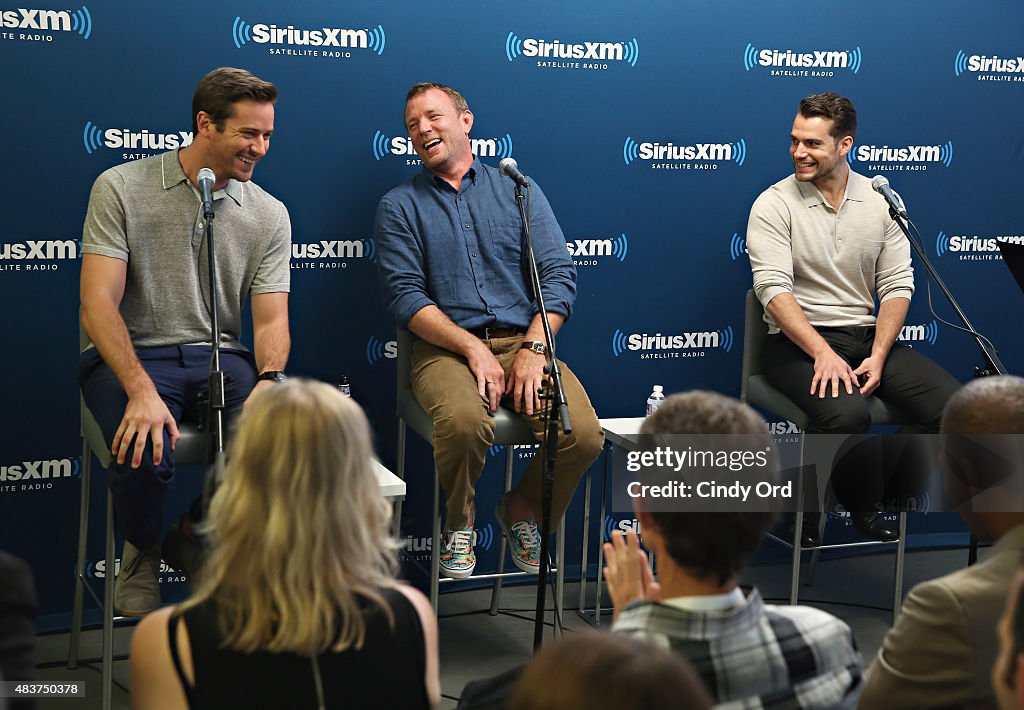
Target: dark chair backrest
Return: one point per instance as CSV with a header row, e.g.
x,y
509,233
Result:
x,y
755,331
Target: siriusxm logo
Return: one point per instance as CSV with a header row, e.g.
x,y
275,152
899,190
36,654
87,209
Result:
x,y
331,254
708,152
94,138
816,62
483,539
336,249
623,526
926,332
988,66
586,251
372,39
903,154
77,21
379,350
783,428
526,450
592,54
98,569
673,345
737,246
49,250
382,146
41,470
973,248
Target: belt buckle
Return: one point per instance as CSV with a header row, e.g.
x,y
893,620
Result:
x,y
487,332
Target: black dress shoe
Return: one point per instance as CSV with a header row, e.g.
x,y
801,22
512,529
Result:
x,y
871,525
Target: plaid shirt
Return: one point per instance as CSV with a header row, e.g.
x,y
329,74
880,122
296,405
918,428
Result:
x,y
757,655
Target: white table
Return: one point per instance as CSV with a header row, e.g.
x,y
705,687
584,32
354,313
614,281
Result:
x,y
620,432
391,486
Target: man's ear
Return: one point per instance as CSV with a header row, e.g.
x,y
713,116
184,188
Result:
x,y
204,124
845,144
648,528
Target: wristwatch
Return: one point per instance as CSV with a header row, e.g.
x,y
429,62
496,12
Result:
x,y
536,346
273,376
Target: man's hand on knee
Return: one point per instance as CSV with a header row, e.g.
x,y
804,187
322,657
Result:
x,y
490,377
829,371
524,379
871,368
145,417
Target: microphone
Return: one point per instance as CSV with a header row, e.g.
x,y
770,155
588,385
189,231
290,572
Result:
x,y
206,178
881,185
509,167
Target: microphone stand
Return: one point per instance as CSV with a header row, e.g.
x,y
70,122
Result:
x,y
555,401
993,365
215,419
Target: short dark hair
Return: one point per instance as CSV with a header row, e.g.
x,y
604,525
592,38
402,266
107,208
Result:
x,y
458,100
982,433
712,544
593,669
835,107
217,93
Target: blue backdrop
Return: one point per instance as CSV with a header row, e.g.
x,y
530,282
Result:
x,y
652,127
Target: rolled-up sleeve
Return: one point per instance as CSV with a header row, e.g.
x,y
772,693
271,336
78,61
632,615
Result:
x,y
894,274
400,263
770,246
554,265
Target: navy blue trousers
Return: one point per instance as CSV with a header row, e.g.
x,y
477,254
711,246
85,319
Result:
x,y
181,376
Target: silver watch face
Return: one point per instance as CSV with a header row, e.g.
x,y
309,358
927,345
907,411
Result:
x,y
538,347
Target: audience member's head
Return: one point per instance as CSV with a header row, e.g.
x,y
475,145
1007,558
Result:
x,y
588,670
982,453
713,546
1008,672
18,609
298,527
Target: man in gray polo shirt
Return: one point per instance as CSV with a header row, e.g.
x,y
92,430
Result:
x,y
144,303
822,248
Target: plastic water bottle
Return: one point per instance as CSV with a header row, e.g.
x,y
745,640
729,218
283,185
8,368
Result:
x,y
655,400
344,386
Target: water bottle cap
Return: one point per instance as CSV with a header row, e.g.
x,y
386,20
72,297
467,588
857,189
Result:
x,y
658,388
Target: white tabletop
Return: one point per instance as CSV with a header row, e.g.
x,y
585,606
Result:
x,y
617,430
391,486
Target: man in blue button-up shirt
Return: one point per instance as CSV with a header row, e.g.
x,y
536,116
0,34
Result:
x,y
453,273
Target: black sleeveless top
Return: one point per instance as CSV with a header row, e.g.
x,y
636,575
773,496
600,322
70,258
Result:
x,y
388,671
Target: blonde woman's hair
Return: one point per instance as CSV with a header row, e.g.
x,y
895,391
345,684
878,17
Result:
x,y
298,528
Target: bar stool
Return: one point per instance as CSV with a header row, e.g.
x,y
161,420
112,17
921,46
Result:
x,y
193,448
509,430
756,392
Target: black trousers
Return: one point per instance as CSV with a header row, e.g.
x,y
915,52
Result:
x,y
869,469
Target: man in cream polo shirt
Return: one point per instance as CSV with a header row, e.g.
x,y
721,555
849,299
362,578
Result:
x,y
822,248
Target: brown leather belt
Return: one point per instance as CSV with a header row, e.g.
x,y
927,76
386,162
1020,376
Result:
x,y
488,332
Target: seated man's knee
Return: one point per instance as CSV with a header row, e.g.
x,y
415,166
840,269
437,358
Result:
x,y
466,427
587,437
849,415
